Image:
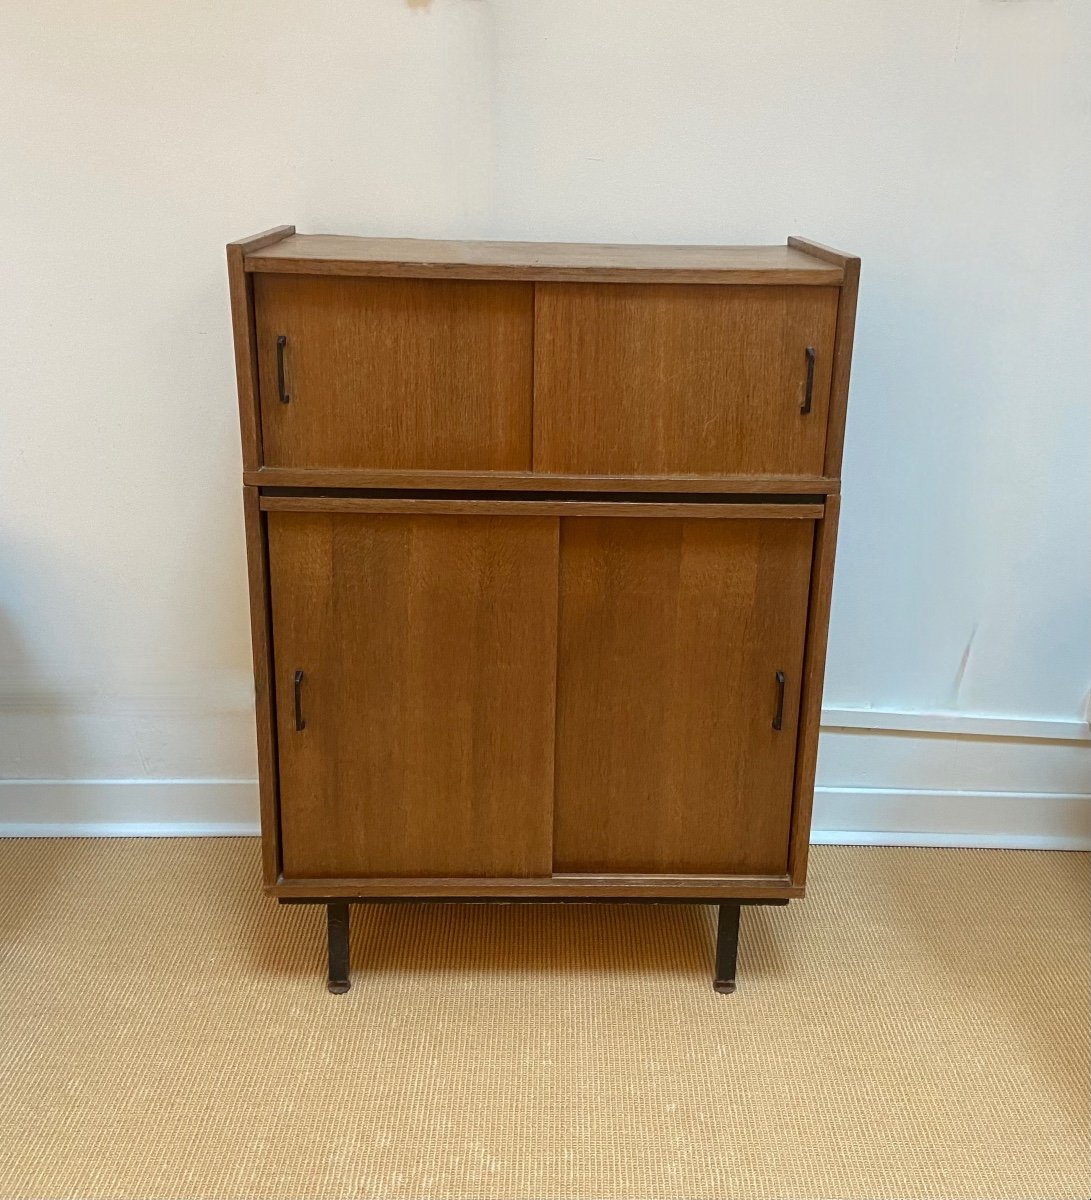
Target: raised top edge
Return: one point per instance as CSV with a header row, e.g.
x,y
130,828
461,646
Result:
x,y
325,254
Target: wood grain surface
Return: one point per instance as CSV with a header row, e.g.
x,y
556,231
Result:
x,y
657,380
428,650
671,634
499,506
814,671
395,373
240,286
559,887
504,481
261,640
326,254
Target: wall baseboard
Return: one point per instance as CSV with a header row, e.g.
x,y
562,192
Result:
x,y
957,724
128,808
870,816
845,816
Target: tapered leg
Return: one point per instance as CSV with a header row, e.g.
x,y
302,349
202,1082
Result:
x,y
337,923
727,947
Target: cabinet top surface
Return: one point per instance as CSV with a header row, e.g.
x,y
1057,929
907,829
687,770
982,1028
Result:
x,y
326,254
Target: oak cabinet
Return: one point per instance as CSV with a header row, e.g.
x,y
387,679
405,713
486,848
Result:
x,y
540,544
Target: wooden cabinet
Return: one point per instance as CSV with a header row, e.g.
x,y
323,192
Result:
x,y
540,544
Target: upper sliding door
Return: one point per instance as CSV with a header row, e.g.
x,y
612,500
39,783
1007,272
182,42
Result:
x,y
402,374
662,379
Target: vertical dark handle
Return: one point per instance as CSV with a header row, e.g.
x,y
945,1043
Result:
x,y
297,683
805,407
282,395
778,716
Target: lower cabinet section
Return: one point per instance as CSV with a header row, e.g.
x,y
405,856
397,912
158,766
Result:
x,y
528,691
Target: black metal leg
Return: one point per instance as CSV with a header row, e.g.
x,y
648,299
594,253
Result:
x,y
727,947
337,922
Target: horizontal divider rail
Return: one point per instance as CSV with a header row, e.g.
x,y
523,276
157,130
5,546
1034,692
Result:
x,y
533,481
798,508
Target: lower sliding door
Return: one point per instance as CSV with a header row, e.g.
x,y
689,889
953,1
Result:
x,y
484,689
680,655
415,661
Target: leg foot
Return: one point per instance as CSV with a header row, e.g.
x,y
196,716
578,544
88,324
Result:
x,y
727,948
337,926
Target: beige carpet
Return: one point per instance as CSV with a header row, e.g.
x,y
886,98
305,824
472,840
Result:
x,y
918,1027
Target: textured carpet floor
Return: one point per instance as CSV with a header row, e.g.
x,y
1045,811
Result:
x,y
918,1027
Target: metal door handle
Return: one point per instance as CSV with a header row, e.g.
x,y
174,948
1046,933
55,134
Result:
x,y
297,684
778,716
282,395
808,391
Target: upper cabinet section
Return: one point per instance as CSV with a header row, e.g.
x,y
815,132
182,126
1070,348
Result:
x,y
649,379
372,362
394,373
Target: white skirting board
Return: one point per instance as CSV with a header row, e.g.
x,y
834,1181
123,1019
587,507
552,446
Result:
x,y
846,816
128,808
1000,820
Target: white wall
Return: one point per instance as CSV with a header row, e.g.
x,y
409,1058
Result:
x,y
948,143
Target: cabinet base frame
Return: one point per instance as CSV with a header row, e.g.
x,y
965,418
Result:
x,y
703,889
338,918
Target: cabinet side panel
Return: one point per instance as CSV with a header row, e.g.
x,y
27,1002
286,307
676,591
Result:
x,y
258,579
422,741
814,670
842,366
672,634
242,328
